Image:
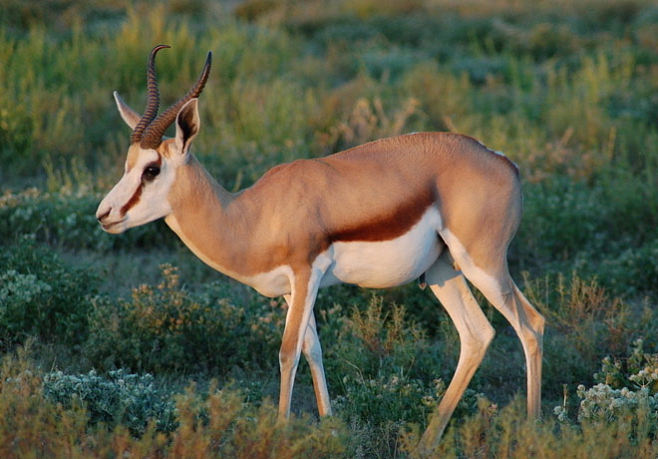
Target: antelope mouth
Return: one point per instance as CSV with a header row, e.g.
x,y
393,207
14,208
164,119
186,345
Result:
x,y
111,227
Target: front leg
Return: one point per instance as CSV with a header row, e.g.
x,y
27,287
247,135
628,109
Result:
x,y
304,291
312,350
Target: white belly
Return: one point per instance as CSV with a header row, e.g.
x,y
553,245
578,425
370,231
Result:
x,y
367,264
387,263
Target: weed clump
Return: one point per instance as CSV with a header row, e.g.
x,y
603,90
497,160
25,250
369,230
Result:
x,y
566,90
165,328
120,398
42,296
626,395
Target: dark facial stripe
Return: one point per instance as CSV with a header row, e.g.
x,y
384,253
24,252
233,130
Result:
x,y
134,199
388,226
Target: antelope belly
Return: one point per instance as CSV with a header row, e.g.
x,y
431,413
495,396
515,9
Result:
x,y
388,263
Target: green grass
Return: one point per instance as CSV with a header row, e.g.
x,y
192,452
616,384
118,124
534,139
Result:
x,y
567,89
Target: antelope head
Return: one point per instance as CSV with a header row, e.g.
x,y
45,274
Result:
x,y
141,195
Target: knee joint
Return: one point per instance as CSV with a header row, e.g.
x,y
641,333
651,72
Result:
x,y
312,350
288,359
479,342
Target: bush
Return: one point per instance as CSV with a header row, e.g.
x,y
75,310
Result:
x,y
639,370
383,372
42,417
68,220
166,328
635,270
584,324
42,296
626,394
120,398
372,401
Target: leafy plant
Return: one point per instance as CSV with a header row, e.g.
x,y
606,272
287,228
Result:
x,y
40,295
67,219
163,327
626,394
120,398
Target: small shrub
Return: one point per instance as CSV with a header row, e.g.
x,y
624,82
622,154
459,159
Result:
x,y
375,343
120,398
627,394
560,220
43,417
42,296
384,373
634,270
639,370
166,328
68,219
602,403
373,401
33,426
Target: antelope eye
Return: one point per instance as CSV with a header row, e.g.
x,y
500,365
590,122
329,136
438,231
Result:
x,y
150,173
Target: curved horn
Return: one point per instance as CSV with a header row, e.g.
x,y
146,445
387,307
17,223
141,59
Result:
x,y
155,131
153,97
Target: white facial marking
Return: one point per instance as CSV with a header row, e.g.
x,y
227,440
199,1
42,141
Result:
x,y
152,196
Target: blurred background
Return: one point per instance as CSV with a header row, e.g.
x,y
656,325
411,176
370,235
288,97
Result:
x,y
108,332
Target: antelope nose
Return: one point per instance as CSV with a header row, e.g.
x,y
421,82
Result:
x,y
100,215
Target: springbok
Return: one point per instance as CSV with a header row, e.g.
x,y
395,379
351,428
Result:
x,y
436,205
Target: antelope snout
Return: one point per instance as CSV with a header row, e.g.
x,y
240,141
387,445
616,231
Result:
x,y
102,213
108,222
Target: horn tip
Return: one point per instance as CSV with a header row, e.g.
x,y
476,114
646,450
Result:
x,y
157,48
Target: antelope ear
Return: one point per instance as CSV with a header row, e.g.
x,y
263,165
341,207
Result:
x,y
129,115
187,125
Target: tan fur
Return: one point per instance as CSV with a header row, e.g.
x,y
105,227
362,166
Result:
x,y
133,155
279,234
377,215
296,210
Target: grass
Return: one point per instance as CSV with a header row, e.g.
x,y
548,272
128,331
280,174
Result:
x,y
567,90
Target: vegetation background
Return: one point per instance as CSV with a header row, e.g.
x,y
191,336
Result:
x,y
127,346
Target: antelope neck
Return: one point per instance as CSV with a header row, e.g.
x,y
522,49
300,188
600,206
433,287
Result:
x,y
200,218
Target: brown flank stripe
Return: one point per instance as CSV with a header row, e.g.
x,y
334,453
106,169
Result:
x,y
389,226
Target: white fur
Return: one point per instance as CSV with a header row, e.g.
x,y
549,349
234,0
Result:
x,y
484,281
276,282
368,264
152,202
387,263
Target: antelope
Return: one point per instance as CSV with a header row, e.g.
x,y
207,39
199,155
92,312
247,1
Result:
x,y
441,207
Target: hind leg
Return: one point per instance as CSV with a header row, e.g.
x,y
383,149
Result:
x,y
491,276
475,334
